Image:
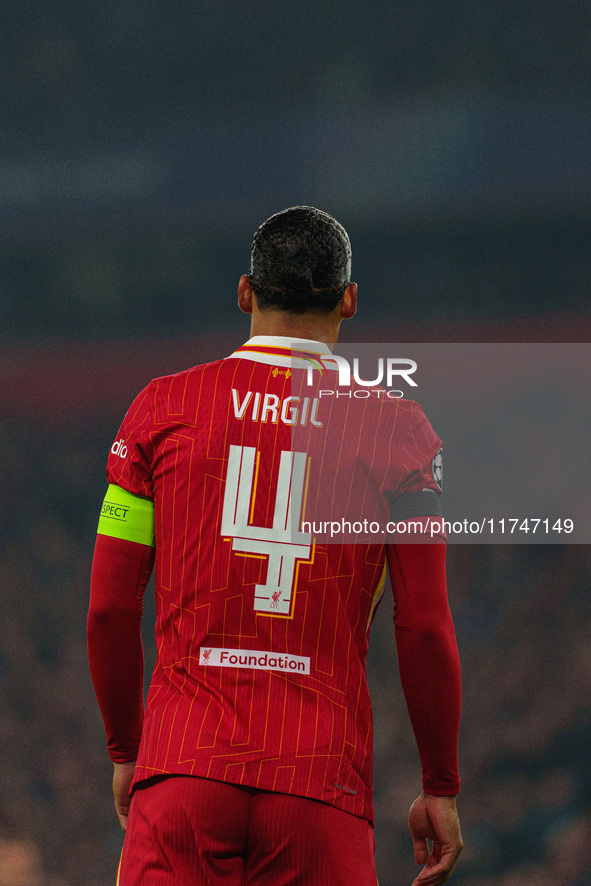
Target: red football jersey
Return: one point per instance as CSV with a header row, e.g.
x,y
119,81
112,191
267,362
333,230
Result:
x,y
262,630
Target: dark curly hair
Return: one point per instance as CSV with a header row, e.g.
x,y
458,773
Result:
x,y
300,261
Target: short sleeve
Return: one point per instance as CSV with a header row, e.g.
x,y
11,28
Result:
x,y
130,459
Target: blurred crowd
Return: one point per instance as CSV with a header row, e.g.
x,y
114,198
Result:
x,y
142,142
53,775
81,66
523,617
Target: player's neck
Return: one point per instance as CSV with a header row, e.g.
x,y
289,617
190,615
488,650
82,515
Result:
x,y
280,323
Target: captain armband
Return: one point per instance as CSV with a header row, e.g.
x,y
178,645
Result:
x,y
127,516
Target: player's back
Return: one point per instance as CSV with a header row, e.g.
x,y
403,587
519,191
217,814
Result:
x,y
262,633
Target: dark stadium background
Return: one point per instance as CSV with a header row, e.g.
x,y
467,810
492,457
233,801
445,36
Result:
x,y
141,143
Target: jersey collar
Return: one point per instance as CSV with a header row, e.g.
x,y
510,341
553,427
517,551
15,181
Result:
x,y
280,350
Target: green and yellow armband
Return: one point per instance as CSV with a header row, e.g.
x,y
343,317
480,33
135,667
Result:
x,y
127,516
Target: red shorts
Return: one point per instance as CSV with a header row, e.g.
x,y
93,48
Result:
x,y
188,831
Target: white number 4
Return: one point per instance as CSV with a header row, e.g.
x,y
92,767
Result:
x,y
283,543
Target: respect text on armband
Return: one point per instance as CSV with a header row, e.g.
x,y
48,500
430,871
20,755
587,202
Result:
x,y
117,512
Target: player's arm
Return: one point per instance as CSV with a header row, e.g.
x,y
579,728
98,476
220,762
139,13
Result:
x,y
122,565
430,675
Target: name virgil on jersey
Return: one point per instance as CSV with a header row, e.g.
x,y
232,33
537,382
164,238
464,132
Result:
x,y
271,408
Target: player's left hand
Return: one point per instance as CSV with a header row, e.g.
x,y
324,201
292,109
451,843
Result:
x,y
122,778
436,819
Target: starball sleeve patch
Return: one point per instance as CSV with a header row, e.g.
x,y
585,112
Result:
x,y
437,469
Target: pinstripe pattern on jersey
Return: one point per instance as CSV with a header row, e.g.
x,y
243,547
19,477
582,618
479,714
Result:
x,y
309,734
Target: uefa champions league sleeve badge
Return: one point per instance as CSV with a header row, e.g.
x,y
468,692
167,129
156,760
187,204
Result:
x,y
437,469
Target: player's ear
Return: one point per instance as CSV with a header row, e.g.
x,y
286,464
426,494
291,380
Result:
x,y
349,302
245,294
